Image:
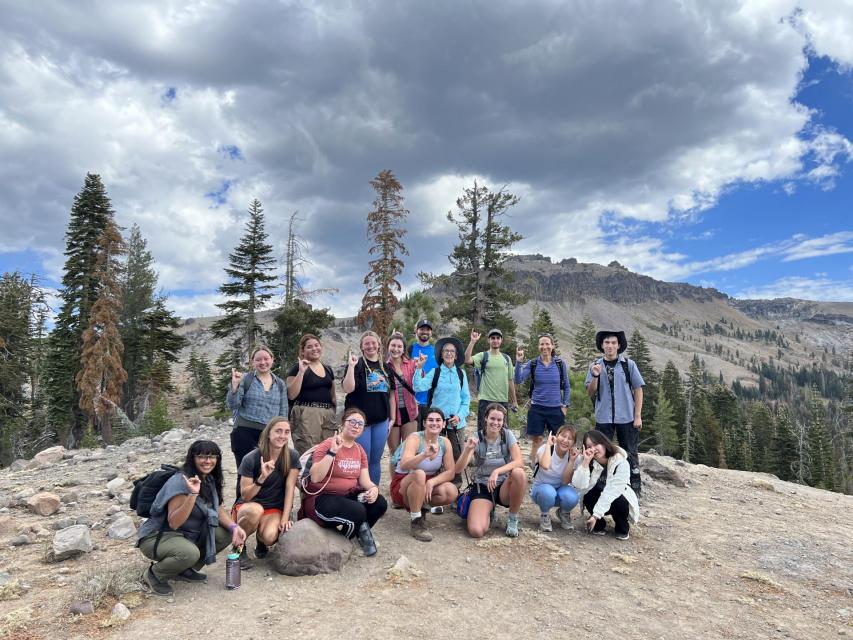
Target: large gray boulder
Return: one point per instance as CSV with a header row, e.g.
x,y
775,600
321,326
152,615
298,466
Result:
x,y
308,549
653,468
49,456
71,542
173,435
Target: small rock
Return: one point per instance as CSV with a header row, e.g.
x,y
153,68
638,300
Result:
x,y
120,611
7,525
132,456
49,456
122,529
111,474
172,436
139,442
82,608
115,485
113,509
63,523
4,578
44,504
71,496
20,541
71,542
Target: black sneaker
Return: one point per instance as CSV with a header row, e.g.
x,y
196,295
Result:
x,y
261,550
365,539
191,575
157,586
245,562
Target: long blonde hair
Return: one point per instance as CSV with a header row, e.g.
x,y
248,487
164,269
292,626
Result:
x,y
368,334
265,446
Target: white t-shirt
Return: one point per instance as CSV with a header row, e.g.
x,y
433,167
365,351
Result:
x,y
554,475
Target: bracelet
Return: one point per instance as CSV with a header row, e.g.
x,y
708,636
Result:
x,y
256,483
596,376
233,527
331,453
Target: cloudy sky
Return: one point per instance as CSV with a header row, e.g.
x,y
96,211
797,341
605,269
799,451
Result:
x,y
706,142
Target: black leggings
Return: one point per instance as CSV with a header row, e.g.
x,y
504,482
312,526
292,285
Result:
x,y
243,441
347,512
619,509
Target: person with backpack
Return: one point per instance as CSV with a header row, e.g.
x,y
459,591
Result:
x,y
618,399
367,384
340,494
311,391
447,389
188,524
603,478
418,478
556,461
254,398
493,374
423,345
404,405
549,391
498,475
267,488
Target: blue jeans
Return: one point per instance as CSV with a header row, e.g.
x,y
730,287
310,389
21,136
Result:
x,y
546,496
373,441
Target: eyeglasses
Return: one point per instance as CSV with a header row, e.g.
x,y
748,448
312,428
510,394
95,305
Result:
x,y
207,458
354,423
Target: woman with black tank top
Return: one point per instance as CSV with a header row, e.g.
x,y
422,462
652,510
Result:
x,y
311,391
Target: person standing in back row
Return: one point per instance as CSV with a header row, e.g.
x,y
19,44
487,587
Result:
x,y
494,374
618,399
423,333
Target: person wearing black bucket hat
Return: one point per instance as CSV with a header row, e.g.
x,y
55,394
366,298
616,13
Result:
x,y
619,399
447,389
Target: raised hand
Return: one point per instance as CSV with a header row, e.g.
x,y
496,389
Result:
x,y
193,484
266,469
596,369
588,455
421,361
431,451
574,452
303,364
475,335
336,443
552,439
236,377
471,443
352,359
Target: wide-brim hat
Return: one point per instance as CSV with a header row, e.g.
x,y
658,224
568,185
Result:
x,y
456,342
620,336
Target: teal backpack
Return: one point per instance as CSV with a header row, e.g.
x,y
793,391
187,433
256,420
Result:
x,y
398,454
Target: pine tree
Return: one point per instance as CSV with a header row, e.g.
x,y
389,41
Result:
x,y
820,449
101,376
638,351
291,323
480,293
384,227
663,426
416,306
200,376
670,385
784,454
694,395
249,272
90,214
583,345
724,405
708,442
542,323
761,423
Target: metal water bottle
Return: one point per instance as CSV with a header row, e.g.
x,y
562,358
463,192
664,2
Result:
x,y
232,571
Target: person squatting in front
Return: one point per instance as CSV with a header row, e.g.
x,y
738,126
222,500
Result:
x,y
614,495
366,383
556,461
341,494
498,475
188,524
619,401
424,473
268,477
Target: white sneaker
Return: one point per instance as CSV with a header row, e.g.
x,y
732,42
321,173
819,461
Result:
x,y
545,522
436,510
565,520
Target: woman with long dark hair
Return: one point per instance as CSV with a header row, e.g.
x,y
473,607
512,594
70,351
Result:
x,y
311,391
615,498
188,524
267,487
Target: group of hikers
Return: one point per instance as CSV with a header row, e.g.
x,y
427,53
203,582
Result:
x,y
415,401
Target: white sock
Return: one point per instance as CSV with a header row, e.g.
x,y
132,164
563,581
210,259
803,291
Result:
x,y
414,515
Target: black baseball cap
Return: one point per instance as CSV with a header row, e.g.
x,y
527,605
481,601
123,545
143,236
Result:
x,y
423,322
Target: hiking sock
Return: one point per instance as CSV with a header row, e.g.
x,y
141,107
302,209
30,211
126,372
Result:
x,y
414,515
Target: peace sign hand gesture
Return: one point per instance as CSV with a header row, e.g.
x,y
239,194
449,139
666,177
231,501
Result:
x,y
419,363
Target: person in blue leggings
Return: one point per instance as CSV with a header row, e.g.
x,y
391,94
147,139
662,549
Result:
x,y
556,461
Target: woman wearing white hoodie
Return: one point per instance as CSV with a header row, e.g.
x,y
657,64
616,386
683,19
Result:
x,y
613,494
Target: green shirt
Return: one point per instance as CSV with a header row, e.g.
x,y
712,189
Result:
x,y
494,385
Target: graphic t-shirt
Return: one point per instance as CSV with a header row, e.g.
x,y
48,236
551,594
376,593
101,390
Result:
x,y
271,494
371,391
429,365
346,467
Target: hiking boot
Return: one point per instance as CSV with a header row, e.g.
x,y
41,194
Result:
x,y
622,536
160,587
365,539
545,523
565,519
419,530
245,562
261,550
436,511
191,575
512,527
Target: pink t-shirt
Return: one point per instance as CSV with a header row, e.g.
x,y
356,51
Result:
x,y
346,468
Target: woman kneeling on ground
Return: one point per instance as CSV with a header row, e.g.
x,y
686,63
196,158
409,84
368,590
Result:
x,y
616,498
419,479
267,486
341,494
499,474
556,461
188,524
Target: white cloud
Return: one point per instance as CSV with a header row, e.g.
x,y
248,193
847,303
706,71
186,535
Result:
x,y
800,287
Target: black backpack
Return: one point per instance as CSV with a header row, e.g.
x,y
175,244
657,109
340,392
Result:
x,y
479,373
626,368
145,489
561,367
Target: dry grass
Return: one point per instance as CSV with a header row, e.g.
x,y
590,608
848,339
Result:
x,y
110,580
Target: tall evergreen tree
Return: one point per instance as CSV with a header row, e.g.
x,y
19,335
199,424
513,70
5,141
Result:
x,y
763,430
670,385
416,305
663,426
480,284
820,449
291,323
541,323
384,227
724,405
583,345
90,214
694,394
101,376
250,271
638,351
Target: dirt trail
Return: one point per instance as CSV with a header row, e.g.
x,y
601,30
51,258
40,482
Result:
x,y
734,555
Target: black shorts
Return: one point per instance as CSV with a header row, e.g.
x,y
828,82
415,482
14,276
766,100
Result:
x,y
481,491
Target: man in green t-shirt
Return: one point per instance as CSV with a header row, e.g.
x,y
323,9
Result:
x,y
496,378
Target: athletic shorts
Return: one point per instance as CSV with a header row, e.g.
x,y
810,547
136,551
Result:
x,y
396,494
540,418
481,491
